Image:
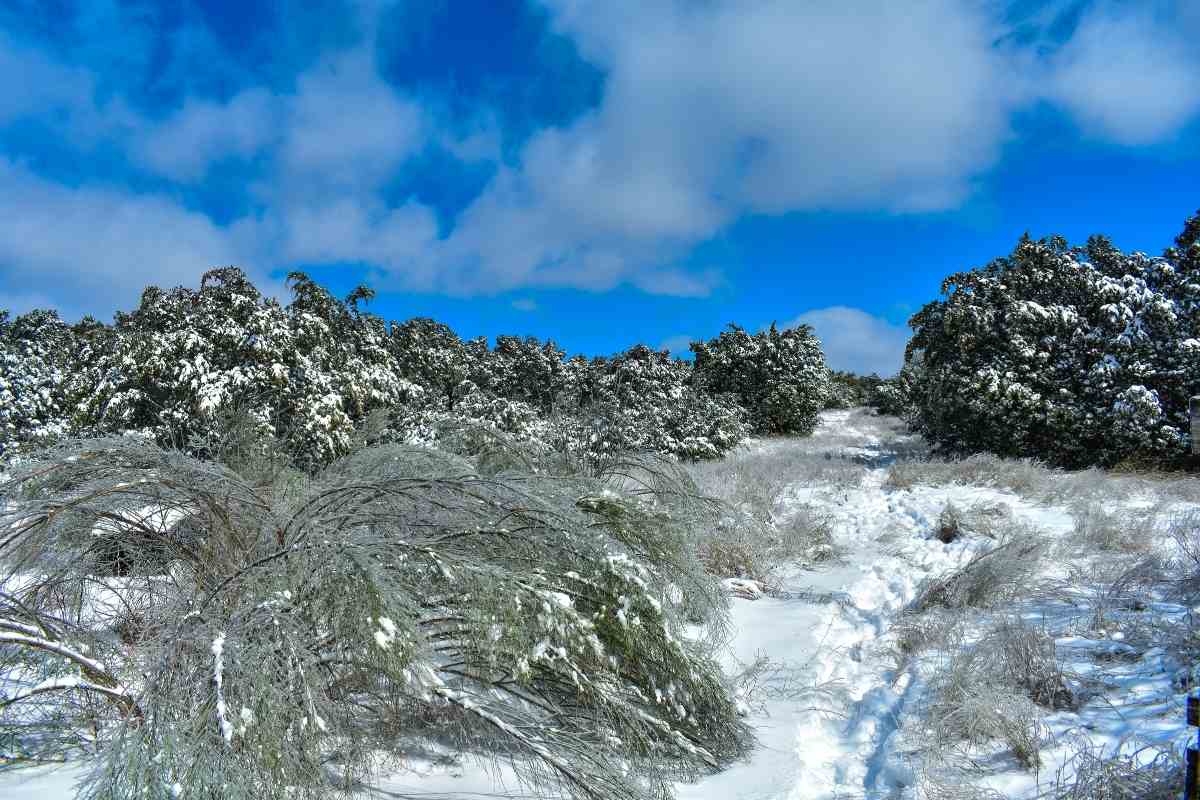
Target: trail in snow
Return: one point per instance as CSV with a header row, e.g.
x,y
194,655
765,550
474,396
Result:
x,y
841,739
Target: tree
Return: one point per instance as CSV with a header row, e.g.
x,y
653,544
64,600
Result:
x,y
431,355
35,351
528,370
780,377
1076,355
307,374
643,400
270,641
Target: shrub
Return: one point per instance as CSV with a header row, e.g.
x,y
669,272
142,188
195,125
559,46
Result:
x,y
1074,355
993,690
779,377
270,640
1092,775
990,578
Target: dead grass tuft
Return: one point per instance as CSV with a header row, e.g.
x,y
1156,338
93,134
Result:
x,y
990,578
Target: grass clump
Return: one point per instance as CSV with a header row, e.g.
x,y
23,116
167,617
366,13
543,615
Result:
x,y
1092,775
996,690
988,579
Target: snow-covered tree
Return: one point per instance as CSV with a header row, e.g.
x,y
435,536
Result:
x,y
282,641
35,365
847,390
779,376
1074,355
528,370
430,354
306,374
644,399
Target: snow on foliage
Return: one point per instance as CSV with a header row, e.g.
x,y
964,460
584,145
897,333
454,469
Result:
x,y
34,351
318,375
1076,355
398,601
780,377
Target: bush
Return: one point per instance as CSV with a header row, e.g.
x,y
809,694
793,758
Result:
x,y
779,377
990,578
272,639
1092,775
994,688
1075,355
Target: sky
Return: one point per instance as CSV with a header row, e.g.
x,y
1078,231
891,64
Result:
x,y
600,173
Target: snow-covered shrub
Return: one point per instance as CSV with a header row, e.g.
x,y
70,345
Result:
x,y
1023,476
276,644
847,390
996,689
1094,774
894,396
307,373
644,399
1125,531
1076,356
779,377
35,351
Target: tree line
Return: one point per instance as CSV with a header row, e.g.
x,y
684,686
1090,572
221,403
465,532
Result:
x,y
319,373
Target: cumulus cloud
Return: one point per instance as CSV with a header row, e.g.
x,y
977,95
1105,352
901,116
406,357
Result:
x,y
856,341
716,110
101,244
1129,74
710,112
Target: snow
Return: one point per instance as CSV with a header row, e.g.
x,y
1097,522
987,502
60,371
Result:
x,y
842,717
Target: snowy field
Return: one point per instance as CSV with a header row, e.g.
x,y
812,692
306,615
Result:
x,y
887,669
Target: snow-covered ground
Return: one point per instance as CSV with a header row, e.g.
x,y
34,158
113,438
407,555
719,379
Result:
x,y
838,712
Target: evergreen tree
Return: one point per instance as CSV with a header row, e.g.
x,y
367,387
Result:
x,y
35,364
780,377
1077,356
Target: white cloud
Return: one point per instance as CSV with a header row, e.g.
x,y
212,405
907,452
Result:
x,y
202,132
856,341
1129,74
526,304
716,110
711,112
101,245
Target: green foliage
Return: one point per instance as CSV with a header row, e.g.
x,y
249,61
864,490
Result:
x,y
1076,356
271,640
779,377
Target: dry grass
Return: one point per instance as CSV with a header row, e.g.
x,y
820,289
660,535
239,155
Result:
x,y
996,689
741,546
991,578
1123,531
1090,775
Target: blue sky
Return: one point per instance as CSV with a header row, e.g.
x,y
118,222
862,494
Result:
x,y
599,173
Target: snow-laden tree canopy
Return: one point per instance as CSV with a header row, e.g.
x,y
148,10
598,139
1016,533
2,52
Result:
x,y
779,376
1076,355
317,374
